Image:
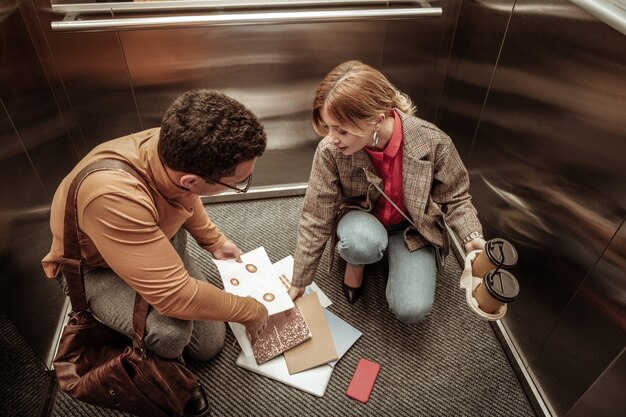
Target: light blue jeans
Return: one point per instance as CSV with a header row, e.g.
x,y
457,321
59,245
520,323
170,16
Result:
x,y
362,240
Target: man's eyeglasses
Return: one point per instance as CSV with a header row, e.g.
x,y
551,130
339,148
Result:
x,y
240,187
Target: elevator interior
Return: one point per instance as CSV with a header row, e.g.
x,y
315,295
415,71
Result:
x,y
532,93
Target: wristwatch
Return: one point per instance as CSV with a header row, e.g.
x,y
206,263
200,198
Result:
x,y
471,237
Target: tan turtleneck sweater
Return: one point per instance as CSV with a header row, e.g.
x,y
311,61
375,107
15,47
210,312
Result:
x,y
128,229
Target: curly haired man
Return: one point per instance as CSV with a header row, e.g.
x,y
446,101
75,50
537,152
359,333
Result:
x,y
133,237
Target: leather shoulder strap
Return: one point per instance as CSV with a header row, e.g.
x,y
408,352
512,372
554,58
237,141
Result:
x,y
72,261
446,241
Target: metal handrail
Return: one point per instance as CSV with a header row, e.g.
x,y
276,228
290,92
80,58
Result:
x,y
264,18
186,5
606,11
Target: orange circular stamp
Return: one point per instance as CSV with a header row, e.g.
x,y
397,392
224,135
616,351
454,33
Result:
x,y
251,268
269,297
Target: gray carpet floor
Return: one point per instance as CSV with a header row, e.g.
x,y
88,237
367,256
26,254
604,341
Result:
x,y
449,365
23,378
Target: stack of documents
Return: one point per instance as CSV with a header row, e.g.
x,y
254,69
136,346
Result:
x,y
308,364
254,276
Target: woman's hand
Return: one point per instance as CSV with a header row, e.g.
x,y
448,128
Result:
x,y
228,251
295,292
474,244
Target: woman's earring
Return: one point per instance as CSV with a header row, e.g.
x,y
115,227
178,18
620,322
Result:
x,y
375,139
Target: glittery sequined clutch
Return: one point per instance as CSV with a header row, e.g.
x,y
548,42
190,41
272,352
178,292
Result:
x,y
284,331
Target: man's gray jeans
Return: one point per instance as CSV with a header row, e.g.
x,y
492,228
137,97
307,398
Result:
x,y
111,301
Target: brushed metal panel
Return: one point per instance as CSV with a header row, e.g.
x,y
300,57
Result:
x,y
32,137
590,334
549,153
606,396
21,276
479,35
31,14
273,70
31,107
21,186
93,71
416,53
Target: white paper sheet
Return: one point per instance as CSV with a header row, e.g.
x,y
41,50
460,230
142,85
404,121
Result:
x,y
277,274
284,269
255,277
314,381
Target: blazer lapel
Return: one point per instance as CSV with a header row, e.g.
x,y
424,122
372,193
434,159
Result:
x,y
416,170
361,159
416,179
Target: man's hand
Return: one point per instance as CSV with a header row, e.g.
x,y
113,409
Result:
x,y
255,328
295,292
228,251
474,244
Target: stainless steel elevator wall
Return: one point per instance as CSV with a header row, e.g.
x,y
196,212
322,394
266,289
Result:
x,y
544,139
119,82
34,143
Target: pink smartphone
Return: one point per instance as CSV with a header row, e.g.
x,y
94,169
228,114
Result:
x,y
363,380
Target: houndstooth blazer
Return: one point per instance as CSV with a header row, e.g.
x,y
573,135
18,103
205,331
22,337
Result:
x,y
435,188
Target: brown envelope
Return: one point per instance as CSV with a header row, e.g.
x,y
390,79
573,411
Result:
x,y
318,350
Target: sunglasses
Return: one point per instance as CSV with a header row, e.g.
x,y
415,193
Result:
x,y
240,187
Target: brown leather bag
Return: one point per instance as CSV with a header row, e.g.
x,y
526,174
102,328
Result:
x,y
100,366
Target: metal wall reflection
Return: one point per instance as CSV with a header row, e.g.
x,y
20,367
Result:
x,y
416,55
274,70
93,71
33,141
589,336
604,398
479,35
547,171
119,82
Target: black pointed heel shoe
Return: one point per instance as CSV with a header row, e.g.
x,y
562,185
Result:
x,y
352,294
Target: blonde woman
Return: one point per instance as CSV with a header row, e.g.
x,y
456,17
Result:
x,y
383,182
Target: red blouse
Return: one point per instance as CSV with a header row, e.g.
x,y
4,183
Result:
x,y
388,166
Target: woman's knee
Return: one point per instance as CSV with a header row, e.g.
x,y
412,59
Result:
x,y
360,246
411,313
359,250
362,239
